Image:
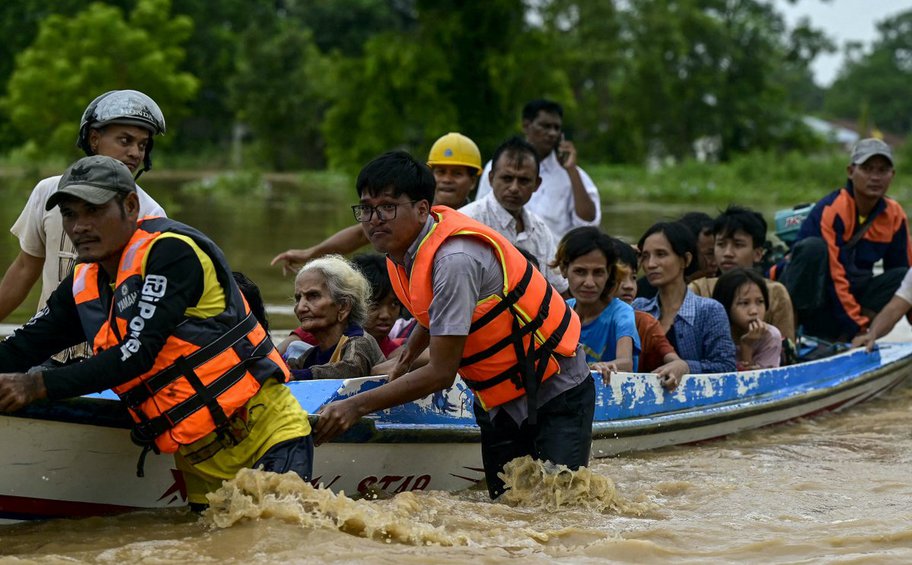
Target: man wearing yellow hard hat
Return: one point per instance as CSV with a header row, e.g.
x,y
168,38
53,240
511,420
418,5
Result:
x,y
456,163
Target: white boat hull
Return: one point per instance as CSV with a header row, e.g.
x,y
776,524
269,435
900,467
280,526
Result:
x,y
75,458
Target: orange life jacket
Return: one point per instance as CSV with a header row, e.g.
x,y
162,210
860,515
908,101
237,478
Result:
x,y
512,341
206,370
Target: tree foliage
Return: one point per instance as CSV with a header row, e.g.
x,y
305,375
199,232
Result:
x,y
73,59
876,82
701,70
19,20
278,92
312,82
468,67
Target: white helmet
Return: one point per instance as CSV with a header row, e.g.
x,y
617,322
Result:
x,y
129,107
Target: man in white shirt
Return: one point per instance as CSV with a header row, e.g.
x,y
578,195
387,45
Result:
x,y
882,324
118,124
514,178
567,197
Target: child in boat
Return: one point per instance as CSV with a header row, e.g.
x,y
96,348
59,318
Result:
x,y
254,298
384,306
657,355
587,258
331,302
744,295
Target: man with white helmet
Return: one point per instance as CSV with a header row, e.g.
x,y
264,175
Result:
x,y
120,124
456,163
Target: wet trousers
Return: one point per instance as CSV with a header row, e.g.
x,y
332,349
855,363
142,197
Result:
x,y
562,435
810,286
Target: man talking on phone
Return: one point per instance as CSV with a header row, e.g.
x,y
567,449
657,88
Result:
x,y
567,197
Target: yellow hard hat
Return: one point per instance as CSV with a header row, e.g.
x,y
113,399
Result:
x,y
455,149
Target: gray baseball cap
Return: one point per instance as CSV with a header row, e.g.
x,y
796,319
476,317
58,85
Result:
x,y
867,148
96,179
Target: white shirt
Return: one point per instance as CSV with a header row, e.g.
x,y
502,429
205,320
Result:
x,y
553,201
535,238
905,287
40,234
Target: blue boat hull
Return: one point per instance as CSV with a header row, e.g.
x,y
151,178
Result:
x,y
74,457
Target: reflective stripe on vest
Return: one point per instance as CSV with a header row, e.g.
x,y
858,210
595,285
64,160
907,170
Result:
x,y
206,370
512,340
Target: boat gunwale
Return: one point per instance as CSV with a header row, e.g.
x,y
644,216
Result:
x,y
372,429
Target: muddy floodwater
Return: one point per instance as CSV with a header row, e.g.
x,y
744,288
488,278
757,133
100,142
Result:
x,y
832,489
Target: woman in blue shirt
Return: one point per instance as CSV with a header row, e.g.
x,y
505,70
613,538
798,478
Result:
x,y
697,327
587,258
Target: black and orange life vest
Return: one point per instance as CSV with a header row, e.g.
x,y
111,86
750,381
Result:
x,y
208,367
512,340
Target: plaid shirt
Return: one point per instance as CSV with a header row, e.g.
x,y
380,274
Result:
x,y
702,333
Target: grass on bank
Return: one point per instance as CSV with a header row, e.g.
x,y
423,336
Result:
x,y
757,178
750,179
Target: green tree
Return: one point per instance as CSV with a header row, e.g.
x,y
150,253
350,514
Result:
x,y
701,69
229,35
467,67
878,80
586,40
278,92
804,45
19,21
73,59
388,99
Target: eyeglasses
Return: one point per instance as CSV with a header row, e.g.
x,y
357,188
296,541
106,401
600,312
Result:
x,y
385,212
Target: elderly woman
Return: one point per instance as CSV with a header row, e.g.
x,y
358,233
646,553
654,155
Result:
x,y
331,302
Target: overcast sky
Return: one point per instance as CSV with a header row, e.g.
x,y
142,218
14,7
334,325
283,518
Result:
x,y
842,20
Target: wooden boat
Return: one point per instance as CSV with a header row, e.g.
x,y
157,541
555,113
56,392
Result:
x,y
75,458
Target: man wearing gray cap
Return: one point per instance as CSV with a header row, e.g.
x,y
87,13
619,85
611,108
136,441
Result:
x,y
830,274
171,335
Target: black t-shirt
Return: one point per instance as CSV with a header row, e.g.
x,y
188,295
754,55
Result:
x,y
58,326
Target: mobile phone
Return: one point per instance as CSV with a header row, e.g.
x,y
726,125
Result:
x,y
561,155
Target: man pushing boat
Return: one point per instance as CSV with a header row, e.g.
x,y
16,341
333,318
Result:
x,y
484,312
171,334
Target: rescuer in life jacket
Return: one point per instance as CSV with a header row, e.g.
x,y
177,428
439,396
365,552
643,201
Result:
x,y
171,334
485,313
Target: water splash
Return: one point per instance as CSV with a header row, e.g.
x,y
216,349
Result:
x,y
252,495
537,484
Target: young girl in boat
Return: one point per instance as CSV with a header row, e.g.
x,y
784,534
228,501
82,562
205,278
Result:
x,y
587,258
744,295
697,327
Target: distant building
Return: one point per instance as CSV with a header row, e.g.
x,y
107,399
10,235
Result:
x,y
832,132
845,132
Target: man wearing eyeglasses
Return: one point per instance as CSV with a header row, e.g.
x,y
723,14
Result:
x,y
484,312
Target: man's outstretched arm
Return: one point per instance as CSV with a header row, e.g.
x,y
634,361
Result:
x,y
344,241
19,279
438,374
